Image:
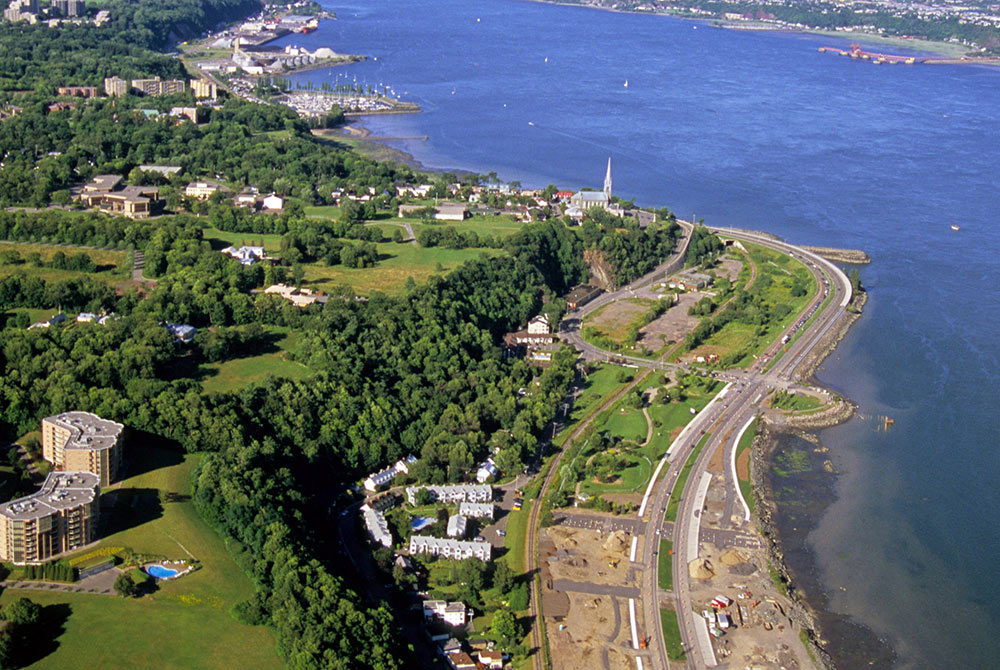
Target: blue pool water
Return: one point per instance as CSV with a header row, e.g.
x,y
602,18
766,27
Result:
x,y
419,522
160,572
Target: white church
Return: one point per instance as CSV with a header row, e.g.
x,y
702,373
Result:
x,y
582,201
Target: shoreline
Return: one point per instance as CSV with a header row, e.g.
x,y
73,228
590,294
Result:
x,y
778,429
946,52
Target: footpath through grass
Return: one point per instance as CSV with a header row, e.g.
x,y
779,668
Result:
x,y
665,568
186,624
672,634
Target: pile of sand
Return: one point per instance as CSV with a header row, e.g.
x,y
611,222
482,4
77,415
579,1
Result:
x,y
616,542
701,568
733,557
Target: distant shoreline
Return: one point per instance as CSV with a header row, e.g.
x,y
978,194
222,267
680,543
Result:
x,y
950,54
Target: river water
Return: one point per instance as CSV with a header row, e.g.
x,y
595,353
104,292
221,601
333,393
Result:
x,y
759,130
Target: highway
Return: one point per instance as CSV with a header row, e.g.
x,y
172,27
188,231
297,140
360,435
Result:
x,y
723,421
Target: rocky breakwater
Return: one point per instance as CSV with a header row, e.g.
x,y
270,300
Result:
x,y
850,256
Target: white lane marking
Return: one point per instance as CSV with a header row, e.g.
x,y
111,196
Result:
x,y
732,466
635,543
695,527
696,421
631,614
638,662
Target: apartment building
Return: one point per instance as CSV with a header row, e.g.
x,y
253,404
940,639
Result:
x,y
83,442
156,87
115,86
61,516
203,88
454,493
459,549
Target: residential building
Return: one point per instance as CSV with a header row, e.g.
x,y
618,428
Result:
x,y
70,7
377,526
156,87
274,203
453,493
85,317
22,10
527,339
246,198
201,190
486,470
299,297
246,255
461,661
539,325
189,113
457,525
78,91
59,517
451,211
458,549
476,510
203,88
493,660
83,442
452,613
376,480
58,318
115,87
182,332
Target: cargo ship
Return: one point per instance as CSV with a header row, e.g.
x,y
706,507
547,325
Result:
x,y
309,27
857,53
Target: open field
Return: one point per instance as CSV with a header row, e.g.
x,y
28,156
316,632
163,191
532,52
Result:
x,y
239,372
221,239
186,623
397,263
111,265
672,634
665,569
610,324
500,226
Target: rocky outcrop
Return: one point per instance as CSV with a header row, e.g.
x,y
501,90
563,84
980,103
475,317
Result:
x,y
601,272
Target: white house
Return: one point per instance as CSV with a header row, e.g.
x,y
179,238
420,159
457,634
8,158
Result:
x,y
453,613
377,526
476,510
539,325
85,317
58,318
246,255
457,525
486,470
383,477
453,493
274,203
181,331
458,549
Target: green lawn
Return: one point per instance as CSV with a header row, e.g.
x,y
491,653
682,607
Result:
x,y
745,487
239,372
672,634
221,239
397,262
795,402
601,384
497,226
184,625
665,568
627,423
112,266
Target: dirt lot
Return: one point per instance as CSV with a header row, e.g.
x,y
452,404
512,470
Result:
x,y
583,555
673,326
614,319
729,268
591,621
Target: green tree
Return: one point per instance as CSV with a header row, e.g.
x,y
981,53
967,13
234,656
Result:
x,y
505,628
503,577
125,586
22,612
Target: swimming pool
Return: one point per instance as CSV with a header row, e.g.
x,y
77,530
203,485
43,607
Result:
x,y
418,522
160,572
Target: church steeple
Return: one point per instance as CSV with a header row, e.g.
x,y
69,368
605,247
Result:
x,y
607,180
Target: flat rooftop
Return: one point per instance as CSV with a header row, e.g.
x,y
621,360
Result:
x,y
89,431
60,491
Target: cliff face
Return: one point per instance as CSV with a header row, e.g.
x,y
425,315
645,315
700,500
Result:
x,y
601,272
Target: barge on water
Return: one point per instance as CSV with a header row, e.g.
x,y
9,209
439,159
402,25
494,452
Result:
x,y
857,53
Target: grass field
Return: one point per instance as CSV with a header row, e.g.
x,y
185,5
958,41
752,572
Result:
x,y
184,625
665,568
111,265
672,634
613,321
397,262
501,226
795,402
745,487
239,372
221,239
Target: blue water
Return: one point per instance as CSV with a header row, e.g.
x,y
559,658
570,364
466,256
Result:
x,y
160,572
761,131
420,522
